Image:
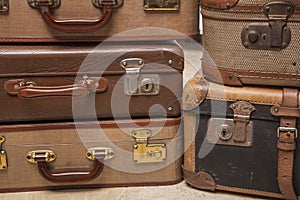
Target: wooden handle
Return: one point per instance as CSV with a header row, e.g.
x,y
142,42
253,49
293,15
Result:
x,y
69,176
71,25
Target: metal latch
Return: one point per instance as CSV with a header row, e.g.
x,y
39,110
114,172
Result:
x,y
162,5
237,131
113,3
100,153
137,83
147,153
4,5
276,33
3,155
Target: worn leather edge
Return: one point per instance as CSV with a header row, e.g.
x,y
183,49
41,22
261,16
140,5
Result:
x,y
194,93
201,180
92,186
190,130
86,124
218,4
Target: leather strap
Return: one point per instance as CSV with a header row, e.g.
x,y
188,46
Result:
x,y
287,134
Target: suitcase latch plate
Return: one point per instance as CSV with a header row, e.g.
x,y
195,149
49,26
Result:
x,y
234,132
147,153
4,5
275,34
163,5
3,155
136,83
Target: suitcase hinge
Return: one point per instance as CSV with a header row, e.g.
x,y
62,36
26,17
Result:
x,y
275,34
137,83
235,132
162,5
147,153
3,155
4,5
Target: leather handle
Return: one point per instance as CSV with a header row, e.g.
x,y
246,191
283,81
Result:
x,y
29,89
71,25
69,176
36,91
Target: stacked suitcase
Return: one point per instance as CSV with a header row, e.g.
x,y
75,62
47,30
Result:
x,y
77,113
241,115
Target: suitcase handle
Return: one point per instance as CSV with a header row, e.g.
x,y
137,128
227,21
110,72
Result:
x,y
70,176
71,25
29,89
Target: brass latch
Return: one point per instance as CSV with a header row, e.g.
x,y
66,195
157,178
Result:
x,y
147,153
164,5
3,156
237,131
4,5
276,33
137,83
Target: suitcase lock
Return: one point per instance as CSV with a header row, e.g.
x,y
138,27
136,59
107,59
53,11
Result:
x,y
235,132
4,6
275,34
163,5
137,83
147,153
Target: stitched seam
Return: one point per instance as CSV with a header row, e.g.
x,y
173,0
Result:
x,y
231,99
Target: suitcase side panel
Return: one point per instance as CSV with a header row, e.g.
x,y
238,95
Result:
x,y
18,143
123,19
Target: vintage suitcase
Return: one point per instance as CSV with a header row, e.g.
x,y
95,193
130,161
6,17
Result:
x,y
90,154
94,20
42,83
242,139
252,42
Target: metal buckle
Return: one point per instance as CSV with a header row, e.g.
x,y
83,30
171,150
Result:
x,y
113,3
287,129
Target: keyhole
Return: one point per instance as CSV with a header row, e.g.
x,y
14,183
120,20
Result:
x,y
225,133
147,85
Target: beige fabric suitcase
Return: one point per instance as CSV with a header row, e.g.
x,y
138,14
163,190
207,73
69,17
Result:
x,y
94,20
59,156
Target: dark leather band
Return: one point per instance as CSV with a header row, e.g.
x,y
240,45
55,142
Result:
x,y
287,134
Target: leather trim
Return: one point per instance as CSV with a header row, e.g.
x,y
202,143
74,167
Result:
x,y
219,4
194,93
287,145
278,110
190,131
201,180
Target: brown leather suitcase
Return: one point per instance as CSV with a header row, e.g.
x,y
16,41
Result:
x,y
43,83
251,42
242,139
95,20
90,154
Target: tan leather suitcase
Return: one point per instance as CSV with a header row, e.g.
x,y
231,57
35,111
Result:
x,y
94,20
242,139
90,154
251,42
51,82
